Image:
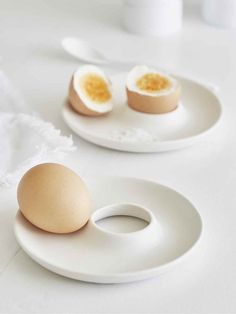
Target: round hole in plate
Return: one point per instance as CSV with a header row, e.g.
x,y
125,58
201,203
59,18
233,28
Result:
x,y
122,224
122,218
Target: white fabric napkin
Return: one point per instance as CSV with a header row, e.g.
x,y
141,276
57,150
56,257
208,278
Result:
x,y
25,139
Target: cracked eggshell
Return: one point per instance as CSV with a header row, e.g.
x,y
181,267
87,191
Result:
x,y
54,198
78,99
162,101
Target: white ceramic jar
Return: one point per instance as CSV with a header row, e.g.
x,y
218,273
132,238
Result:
x,y
220,12
153,17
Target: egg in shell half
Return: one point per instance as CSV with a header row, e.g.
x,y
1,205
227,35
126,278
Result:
x,y
150,91
90,91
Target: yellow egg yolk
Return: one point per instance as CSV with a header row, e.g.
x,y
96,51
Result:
x,y
152,82
95,88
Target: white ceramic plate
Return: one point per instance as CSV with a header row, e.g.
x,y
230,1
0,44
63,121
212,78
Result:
x,y
197,114
118,257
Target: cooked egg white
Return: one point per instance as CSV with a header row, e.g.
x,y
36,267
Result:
x,y
150,91
90,91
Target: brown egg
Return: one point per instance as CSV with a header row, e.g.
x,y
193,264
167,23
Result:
x,y
54,198
152,92
90,91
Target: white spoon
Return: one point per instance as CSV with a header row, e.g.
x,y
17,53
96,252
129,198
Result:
x,y
83,51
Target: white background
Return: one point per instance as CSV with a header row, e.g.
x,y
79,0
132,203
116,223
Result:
x,y
205,282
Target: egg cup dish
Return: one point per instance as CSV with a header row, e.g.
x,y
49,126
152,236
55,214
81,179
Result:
x,y
54,202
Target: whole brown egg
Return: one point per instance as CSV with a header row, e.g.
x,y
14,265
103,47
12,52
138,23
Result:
x,y
54,198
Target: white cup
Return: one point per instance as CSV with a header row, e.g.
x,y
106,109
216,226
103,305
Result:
x,y
153,17
220,12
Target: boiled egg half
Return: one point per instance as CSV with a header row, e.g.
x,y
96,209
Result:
x,y
150,91
90,91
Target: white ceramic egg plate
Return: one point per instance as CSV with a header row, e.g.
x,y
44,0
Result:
x,y
99,255
128,130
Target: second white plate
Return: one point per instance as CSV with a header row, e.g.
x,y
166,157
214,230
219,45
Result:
x,y
128,130
91,254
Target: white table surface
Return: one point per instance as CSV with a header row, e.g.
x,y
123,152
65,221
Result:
x,y
205,282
